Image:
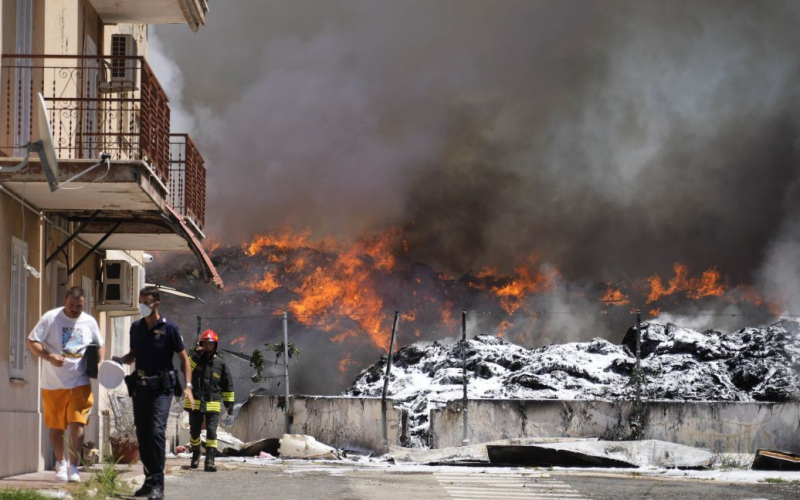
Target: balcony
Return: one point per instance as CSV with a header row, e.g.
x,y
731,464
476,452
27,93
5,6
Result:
x,y
191,12
152,194
187,179
95,104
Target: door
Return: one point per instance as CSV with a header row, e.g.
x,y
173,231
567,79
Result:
x,y
23,81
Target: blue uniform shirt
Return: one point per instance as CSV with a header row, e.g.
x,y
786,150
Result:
x,y
155,347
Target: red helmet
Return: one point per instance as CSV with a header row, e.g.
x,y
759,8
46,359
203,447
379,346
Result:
x,y
209,335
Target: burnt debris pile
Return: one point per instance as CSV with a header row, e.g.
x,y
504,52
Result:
x,y
679,364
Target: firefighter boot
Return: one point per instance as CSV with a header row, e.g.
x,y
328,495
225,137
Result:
x,y
210,467
195,457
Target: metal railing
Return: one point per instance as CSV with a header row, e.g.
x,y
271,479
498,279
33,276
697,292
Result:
x,y
187,179
95,104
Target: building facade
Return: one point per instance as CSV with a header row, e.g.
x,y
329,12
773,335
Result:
x,y
77,98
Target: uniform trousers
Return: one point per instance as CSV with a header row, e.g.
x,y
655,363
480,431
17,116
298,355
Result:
x,y
196,422
150,413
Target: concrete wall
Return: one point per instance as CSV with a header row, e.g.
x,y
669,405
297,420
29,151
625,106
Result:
x,y
352,423
719,427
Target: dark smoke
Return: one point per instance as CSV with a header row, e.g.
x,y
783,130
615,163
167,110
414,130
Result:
x,y
610,138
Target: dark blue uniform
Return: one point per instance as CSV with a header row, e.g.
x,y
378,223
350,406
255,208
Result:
x,y
154,350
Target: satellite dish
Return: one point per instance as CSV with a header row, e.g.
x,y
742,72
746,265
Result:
x,y
47,152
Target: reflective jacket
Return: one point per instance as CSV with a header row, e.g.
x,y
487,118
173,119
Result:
x,y
212,383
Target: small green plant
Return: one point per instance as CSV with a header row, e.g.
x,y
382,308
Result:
x,y
106,482
277,348
257,363
15,494
779,480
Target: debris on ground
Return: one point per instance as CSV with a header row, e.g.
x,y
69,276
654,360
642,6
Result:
x,y
254,448
679,364
776,460
302,446
589,453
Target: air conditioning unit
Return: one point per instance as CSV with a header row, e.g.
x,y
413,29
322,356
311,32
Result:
x,y
122,71
121,282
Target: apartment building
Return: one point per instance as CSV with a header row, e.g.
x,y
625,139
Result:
x,y
80,66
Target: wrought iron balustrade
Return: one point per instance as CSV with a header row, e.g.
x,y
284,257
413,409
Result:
x,y
95,104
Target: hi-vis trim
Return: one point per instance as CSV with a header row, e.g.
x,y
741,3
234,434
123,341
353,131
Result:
x,y
211,443
192,363
194,442
228,397
195,407
213,406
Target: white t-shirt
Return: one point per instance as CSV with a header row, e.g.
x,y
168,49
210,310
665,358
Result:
x,y
69,338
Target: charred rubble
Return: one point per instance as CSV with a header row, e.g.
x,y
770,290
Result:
x,y
679,364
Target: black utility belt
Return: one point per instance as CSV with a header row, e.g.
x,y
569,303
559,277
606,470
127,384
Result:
x,y
163,382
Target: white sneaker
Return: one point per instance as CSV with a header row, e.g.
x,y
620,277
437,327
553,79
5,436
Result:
x,y
61,471
74,475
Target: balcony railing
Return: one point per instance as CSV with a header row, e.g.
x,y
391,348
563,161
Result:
x,y
187,179
95,104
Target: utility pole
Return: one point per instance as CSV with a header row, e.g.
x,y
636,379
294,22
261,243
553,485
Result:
x,y
638,360
286,372
464,440
384,426
199,326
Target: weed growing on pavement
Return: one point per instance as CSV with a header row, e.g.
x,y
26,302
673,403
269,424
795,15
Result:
x,y
15,494
104,483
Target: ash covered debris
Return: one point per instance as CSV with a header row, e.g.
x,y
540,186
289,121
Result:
x,y
680,364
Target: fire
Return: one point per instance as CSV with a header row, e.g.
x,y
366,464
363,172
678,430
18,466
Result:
x,y
512,294
345,362
282,242
267,284
503,327
346,288
707,285
614,296
239,340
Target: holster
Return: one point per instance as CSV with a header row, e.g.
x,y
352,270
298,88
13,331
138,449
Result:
x,y
130,383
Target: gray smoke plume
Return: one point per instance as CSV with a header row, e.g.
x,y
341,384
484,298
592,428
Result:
x,y
609,138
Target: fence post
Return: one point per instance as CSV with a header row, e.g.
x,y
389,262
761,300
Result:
x,y
286,372
464,440
384,427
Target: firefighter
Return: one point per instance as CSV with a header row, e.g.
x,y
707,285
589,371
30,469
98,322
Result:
x,y
212,385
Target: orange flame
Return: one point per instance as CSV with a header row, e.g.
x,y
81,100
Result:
x,y
512,294
614,296
707,285
239,340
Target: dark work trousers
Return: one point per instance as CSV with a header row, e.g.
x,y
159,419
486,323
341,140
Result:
x,y
196,421
150,413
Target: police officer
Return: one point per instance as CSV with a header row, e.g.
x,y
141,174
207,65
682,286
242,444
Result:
x,y
154,342
212,385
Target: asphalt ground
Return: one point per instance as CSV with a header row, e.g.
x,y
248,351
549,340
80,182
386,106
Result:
x,y
313,481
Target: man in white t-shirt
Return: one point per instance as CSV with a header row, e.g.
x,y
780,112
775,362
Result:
x,y
61,338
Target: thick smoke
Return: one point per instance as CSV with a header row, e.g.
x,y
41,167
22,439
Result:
x,y
609,138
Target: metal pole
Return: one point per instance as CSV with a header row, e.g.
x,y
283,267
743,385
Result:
x,y
384,427
199,326
464,440
638,359
286,372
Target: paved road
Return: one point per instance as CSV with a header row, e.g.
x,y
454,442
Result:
x,y
308,481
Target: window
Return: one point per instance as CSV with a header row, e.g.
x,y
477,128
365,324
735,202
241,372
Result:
x,y
18,312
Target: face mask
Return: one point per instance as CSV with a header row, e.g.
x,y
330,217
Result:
x,y
145,310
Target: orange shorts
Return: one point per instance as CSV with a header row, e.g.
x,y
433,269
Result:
x,y
64,406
